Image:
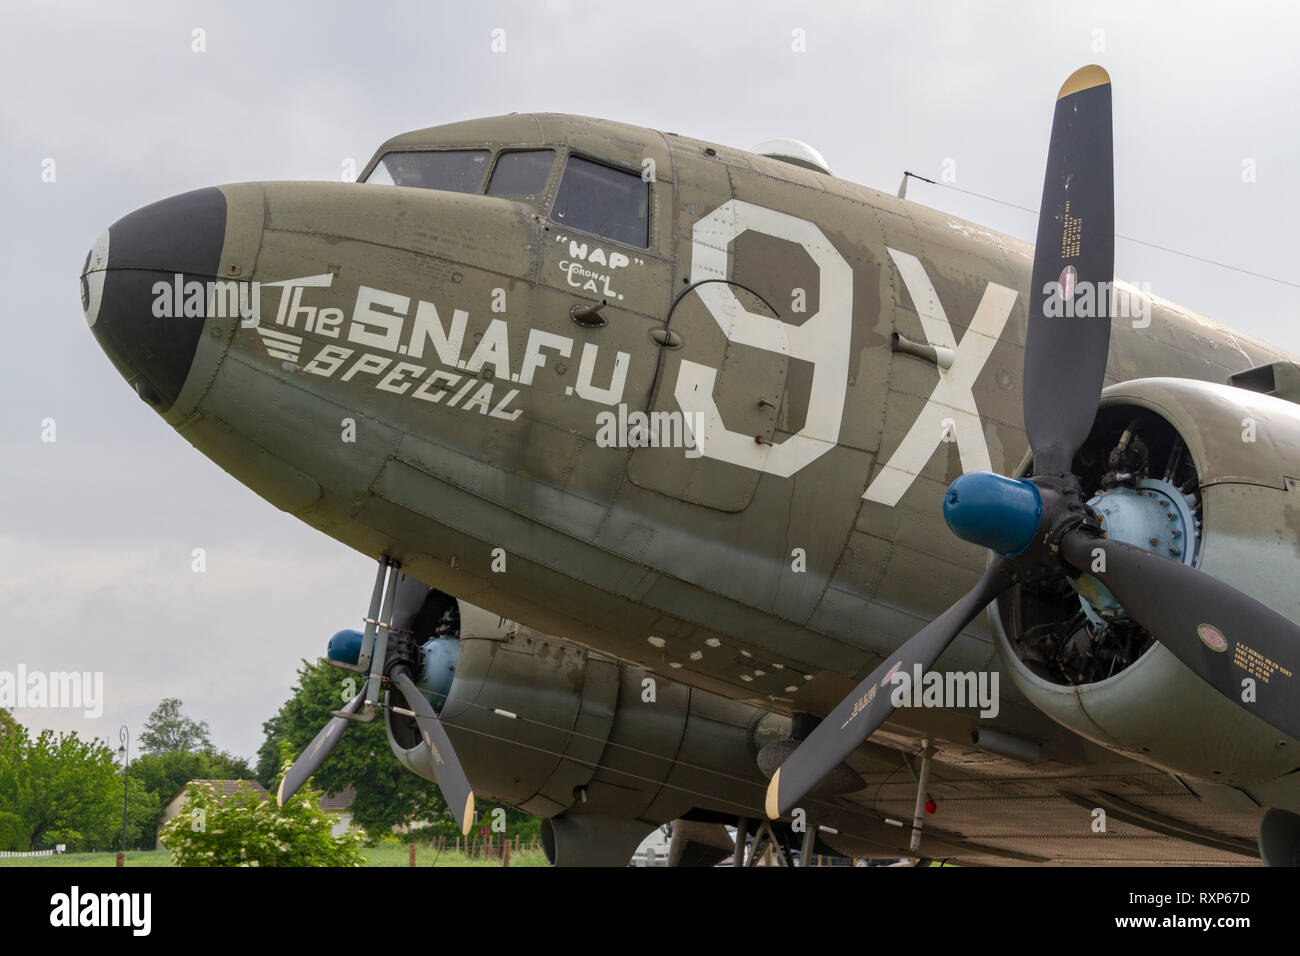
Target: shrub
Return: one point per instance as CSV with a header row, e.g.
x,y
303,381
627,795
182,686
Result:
x,y
247,829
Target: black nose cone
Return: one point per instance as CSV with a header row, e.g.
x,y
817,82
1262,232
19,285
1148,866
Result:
x,y
144,289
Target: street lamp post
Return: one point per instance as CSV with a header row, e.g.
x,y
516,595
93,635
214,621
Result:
x,y
124,751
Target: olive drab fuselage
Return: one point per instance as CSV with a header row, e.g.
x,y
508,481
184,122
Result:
x,y
727,468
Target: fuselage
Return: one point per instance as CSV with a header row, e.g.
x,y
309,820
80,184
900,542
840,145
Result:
x,y
814,362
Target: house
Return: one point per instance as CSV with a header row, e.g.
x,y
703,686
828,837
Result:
x,y
339,806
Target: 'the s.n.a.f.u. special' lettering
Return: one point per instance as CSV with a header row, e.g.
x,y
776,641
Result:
x,y
422,353
413,351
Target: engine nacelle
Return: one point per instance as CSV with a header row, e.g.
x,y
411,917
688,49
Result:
x,y
604,750
1220,494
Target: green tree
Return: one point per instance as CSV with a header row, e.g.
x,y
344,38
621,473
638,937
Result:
x,y
7,722
165,774
388,794
222,765
57,788
246,829
143,814
12,832
168,730
13,835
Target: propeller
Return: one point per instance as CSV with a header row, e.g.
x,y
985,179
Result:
x,y
446,767
1040,527
859,714
1074,256
419,610
309,760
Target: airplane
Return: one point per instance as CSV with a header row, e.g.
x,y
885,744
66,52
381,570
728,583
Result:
x,y
801,508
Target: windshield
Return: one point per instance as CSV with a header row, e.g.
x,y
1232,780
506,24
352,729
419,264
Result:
x,y
523,173
455,170
606,201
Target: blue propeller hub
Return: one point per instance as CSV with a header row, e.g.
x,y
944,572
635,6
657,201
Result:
x,y
435,677
998,513
344,648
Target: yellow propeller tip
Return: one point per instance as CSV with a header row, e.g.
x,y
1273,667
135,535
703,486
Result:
x,y
1084,78
773,788
469,815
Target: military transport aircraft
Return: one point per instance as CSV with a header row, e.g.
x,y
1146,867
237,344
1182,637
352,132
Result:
x,y
747,450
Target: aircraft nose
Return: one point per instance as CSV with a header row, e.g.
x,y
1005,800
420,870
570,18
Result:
x,y
144,292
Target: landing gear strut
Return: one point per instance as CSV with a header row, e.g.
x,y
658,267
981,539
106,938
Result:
x,y
374,641
922,781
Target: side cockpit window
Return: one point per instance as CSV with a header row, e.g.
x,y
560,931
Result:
x,y
455,170
603,200
521,174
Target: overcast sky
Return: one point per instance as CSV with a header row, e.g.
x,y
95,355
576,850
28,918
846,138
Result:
x,y
97,527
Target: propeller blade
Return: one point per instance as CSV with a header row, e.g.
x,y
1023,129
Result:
x,y
309,760
858,715
1219,632
1065,351
451,776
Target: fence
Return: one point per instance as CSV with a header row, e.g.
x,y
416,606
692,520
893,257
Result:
x,y
489,847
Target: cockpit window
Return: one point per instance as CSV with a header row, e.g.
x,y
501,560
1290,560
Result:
x,y
521,173
455,170
606,201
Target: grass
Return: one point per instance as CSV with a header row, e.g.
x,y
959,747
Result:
x,y
388,853
133,858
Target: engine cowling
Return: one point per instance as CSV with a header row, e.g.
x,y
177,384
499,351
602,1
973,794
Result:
x,y
1209,481
604,750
